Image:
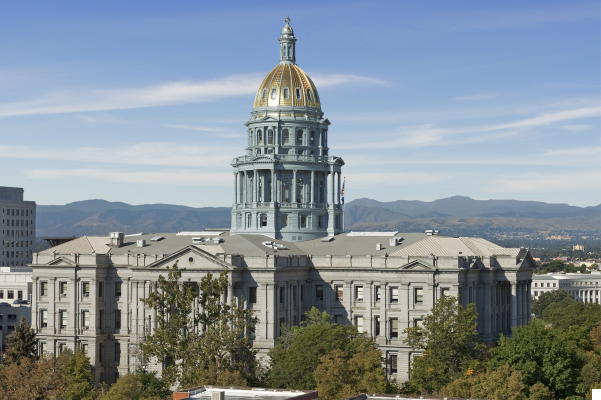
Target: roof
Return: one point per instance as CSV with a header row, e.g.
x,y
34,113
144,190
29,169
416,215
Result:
x,y
82,245
446,246
289,76
242,393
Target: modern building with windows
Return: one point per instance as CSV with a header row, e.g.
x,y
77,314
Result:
x,y
583,287
18,228
15,292
285,253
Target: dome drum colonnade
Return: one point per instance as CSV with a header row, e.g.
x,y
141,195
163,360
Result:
x,y
287,186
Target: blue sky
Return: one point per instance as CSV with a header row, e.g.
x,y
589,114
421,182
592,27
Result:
x,y
144,101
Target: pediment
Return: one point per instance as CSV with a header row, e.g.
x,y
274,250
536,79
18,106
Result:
x,y
477,264
418,266
61,261
201,259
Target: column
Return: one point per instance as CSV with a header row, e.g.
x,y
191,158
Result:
x,y
514,303
339,186
273,186
525,303
332,185
312,186
487,311
293,188
324,192
235,188
255,186
529,301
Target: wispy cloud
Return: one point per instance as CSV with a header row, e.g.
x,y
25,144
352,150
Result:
x,y
100,119
194,128
475,97
157,95
577,128
156,153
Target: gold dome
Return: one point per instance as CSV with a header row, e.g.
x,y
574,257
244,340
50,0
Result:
x,y
287,85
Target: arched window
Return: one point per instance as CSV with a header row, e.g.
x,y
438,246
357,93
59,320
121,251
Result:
x,y
259,137
286,136
285,51
249,192
286,94
312,138
299,190
263,94
320,199
289,50
270,137
273,93
298,94
248,220
269,191
299,137
309,94
239,221
286,191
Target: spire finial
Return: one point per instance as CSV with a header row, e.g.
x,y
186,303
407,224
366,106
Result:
x,y
287,43
287,19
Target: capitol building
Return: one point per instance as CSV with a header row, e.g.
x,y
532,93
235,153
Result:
x,y
285,252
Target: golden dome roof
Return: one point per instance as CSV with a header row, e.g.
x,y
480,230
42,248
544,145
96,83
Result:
x,y
287,85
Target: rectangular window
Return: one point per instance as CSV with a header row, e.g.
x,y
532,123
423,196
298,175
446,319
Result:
x,y
281,295
377,325
419,295
338,319
286,135
298,94
445,292
359,324
117,289
535,293
359,293
44,318
263,219
302,292
377,293
2,291
42,347
11,294
284,220
100,289
86,289
84,348
117,319
85,319
63,288
44,288
20,295
299,137
286,93
417,322
554,285
100,318
339,292
100,354
62,347
319,292
117,352
535,284
394,328
252,295
63,318
393,363
394,295
303,221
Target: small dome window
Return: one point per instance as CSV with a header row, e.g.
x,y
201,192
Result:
x,y
286,95
286,136
298,94
259,137
273,93
312,138
299,137
309,94
264,94
270,137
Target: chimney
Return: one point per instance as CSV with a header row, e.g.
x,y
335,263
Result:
x,y
116,239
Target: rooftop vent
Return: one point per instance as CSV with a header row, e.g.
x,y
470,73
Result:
x,y
275,245
396,240
327,239
217,240
157,239
197,240
372,233
430,232
116,239
199,233
141,243
378,246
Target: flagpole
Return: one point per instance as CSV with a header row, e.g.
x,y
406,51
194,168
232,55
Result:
x,y
343,206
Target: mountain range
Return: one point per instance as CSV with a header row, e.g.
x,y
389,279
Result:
x,y
456,215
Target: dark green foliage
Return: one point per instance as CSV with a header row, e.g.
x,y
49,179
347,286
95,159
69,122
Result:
x,y
544,355
450,343
553,296
21,343
153,385
297,352
571,313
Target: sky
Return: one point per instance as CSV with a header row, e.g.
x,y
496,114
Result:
x,y
144,101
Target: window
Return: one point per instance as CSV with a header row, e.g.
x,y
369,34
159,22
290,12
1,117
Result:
x,y
2,291
535,284
302,293
62,347
116,375
309,94
117,289
273,93
393,363
418,322
281,295
263,94
312,139
359,324
394,294
299,137
378,294
445,292
377,325
62,288
470,296
11,294
554,285
263,219
252,295
259,137
63,318
44,288
419,295
298,94
359,293
85,319
284,220
338,319
86,289
19,294
248,220
319,292
303,221
270,137
117,354
44,318
100,289
286,136
100,318
319,221
339,292
42,347
286,93
117,319
84,348
394,328
535,293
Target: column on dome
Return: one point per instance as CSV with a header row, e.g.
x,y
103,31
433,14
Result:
x,y
332,185
273,193
255,186
293,188
312,186
235,188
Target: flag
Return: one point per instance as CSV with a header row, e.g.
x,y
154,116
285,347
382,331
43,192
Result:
x,y
342,192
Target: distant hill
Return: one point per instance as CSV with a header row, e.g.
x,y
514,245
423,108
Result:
x,y
455,215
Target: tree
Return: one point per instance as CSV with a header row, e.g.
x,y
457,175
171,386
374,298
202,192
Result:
x,y
21,343
547,298
503,384
571,313
76,376
131,387
338,376
450,343
543,355
27,379
297,352
209,347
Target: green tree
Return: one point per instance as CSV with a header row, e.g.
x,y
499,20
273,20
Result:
x,y
565,314
547,298
544,355
504,383
129,387
297,352
338,376
21,343
210,347
450,343
76,375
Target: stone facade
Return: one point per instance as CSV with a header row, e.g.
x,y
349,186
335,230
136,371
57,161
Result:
x,y
17,242
584,287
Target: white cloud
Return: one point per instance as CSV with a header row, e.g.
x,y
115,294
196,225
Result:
x,y
158,95
176,177
100,119
544,182
577,128
475,97
156,153
194,128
